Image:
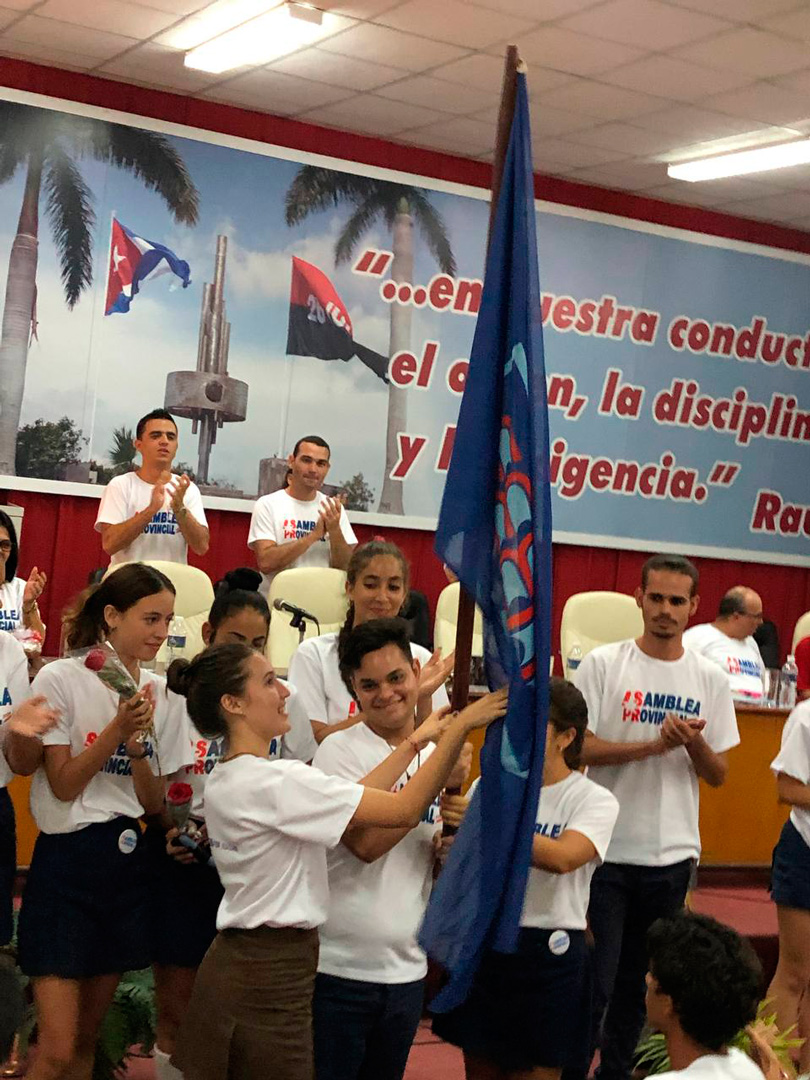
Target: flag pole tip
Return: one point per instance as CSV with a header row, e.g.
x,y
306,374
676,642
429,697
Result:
x,y
521,66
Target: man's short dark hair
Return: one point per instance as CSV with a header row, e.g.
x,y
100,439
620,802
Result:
x,y
316,440
367,638
155,414
733,603
711,974
675,564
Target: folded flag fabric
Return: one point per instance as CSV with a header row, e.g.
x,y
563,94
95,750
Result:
x,y
494,532
134,260
320,325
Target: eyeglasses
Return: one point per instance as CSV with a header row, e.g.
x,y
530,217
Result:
x,y
5,547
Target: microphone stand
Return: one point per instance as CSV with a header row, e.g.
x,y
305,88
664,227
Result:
x,y
298,622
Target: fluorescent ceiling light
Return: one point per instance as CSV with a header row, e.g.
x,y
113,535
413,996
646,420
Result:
x,y
213,21
765,158
286,28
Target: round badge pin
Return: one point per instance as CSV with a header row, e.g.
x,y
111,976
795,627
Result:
x,y
558,942
127,841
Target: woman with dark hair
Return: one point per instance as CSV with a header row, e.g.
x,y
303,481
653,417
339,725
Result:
x,y
377,580
527,1014
270,824
85,914
18,597
185,906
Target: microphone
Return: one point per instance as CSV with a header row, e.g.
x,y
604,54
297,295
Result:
x,y
293,609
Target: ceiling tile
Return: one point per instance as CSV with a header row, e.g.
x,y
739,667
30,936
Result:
x,y
381,45
7,17
113,15
742,11
538,10
696,125
20,5
630,175
372,115
434,93
802,224
321,66
674,78
157,66
551,152
749,51
461,135
456,22
563,50
546,121
357,9
76,39
177,7
763,102
485,72
785,204
647,24
623,137
794,25
30,50
275,92
605,102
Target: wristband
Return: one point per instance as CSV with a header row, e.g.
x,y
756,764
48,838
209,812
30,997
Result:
x,y
413,742
137,757
181,510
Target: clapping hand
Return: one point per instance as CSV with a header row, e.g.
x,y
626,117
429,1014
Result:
x,y
435,673
179,492
676,732
33,718
330,514
33,587
158,498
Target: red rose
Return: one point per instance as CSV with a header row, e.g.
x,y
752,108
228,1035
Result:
x,y
179,793
95,659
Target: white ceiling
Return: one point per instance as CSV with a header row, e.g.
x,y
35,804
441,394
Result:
x,y
616,85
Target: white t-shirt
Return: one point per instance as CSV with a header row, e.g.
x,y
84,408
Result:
x,y
161,539
11,604
270,823
315,674
733,1065
14,688
297,744
741,660
793,759
282,519
560,901
375,909
629,695
87,706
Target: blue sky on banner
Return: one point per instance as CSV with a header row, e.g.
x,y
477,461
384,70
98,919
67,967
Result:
x,y
242,195
495,532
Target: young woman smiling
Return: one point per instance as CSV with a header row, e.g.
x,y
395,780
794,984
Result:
x,y
377,580
85,914
270,824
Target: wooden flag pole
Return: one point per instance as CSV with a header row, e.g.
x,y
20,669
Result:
x,y
466,603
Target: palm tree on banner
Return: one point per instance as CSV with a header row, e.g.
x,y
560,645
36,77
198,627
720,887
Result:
x,y
400,206
122,452
48,145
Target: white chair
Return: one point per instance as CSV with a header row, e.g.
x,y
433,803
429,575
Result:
x,y
444,625
590,619
319,590
801,630
192,602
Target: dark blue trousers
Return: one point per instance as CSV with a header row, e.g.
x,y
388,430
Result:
x,y
364,1030
625,902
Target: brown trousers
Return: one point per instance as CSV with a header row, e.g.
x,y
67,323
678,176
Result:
x,y
250,1014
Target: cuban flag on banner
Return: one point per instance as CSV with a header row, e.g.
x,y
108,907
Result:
x,y
494,531
133,260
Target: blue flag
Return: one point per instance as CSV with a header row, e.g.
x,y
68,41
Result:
x,y
494,531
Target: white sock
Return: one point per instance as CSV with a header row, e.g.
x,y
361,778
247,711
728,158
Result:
x,y
164,1070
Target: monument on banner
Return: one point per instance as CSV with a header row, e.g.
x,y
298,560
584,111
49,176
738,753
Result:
x,y
209,396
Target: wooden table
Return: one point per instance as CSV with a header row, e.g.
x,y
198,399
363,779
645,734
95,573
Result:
x,y
740,822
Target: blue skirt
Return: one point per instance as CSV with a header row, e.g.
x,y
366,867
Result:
x,y
529,1009
85,909
790,870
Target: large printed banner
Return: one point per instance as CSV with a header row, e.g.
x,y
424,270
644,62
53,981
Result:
x,y
344,303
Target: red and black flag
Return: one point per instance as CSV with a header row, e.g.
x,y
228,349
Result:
x,y
319,322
